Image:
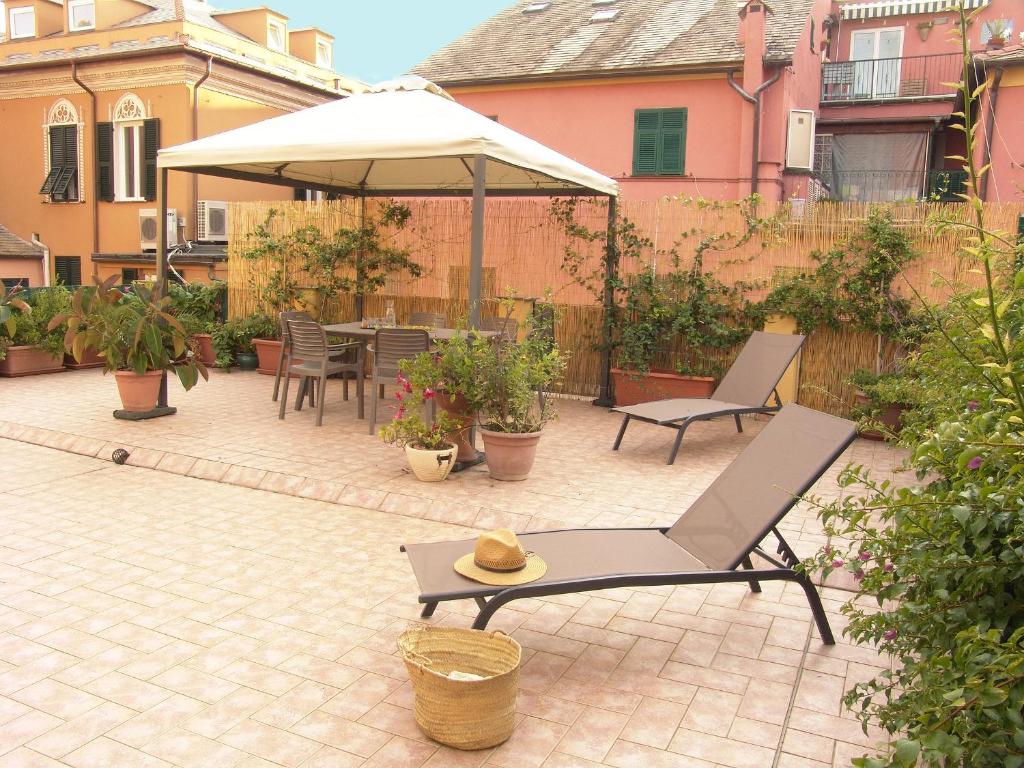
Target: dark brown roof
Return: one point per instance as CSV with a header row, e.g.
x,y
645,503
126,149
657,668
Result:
x,y
646,35
13,247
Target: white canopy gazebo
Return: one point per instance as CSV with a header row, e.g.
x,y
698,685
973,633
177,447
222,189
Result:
x,y
404,138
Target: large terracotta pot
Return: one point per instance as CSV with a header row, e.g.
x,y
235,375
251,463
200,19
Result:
x,y
269,352
631,389
891,416
28,361
139,391
458,409
90,359
206,353
430,466
510,455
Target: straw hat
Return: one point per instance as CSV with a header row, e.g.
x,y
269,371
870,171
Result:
x,y
499,559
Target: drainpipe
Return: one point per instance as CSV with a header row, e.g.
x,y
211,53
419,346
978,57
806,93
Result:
x,y
990,125
755,99
46,258
94,198
195,135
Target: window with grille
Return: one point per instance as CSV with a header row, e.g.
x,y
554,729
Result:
x,y
659,142
61,182
823,157
14,282
68,269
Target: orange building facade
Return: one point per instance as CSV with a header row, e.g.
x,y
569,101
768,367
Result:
x,y
91,89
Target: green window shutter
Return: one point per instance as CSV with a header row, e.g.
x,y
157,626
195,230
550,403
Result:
x,y
659,142
105,161
68,269
151,143
62,181
672,142
646,124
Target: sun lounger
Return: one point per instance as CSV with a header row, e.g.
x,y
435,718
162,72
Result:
x,y
718,534
746,387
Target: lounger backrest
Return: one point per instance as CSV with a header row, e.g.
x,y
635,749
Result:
x,y
761,485
758,368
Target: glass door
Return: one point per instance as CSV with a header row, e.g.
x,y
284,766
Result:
x,y
876,55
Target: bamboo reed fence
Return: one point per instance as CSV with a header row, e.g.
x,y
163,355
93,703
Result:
x,y
524,257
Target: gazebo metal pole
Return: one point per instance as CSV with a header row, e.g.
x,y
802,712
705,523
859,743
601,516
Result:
x,y
605,392
476,248
161,227
161,261
360,296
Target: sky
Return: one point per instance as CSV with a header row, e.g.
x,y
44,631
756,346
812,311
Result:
x,y
380,39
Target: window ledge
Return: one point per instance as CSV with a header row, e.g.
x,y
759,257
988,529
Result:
x,y
657,176
130,200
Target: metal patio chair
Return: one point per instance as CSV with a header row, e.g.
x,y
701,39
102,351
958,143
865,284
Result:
x,y
307,341
390,346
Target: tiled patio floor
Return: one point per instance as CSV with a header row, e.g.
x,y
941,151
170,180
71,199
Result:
x,y
152,619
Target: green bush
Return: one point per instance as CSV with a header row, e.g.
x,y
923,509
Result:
x,y
940,566
197,305
30,328
237,335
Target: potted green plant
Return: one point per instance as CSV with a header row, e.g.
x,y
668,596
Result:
x,y
683,314
881,401
428,448
29,346
135,334
510,380
450,373
198,306
234,341
307,269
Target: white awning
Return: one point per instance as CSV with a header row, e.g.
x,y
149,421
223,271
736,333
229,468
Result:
x,y
403,138
879,8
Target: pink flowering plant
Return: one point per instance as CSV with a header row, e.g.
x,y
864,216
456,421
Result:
x,y
409,427
939,566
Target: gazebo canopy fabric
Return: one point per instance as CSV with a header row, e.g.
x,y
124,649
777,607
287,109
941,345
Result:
x,y
407,137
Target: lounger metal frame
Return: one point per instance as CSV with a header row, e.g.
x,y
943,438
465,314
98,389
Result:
x,y
784,570
681,424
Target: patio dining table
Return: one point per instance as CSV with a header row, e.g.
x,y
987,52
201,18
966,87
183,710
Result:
x,y
355,330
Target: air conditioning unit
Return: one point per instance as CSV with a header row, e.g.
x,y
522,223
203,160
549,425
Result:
x,y
148,228
211,221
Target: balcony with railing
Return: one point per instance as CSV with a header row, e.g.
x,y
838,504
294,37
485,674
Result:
x,y
892,186
901,79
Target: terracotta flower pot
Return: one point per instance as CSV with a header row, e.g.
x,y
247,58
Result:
x,y
458,409
510,455
631,389
269,352
90,359
28,361
891,416
206,353
139,391
430,466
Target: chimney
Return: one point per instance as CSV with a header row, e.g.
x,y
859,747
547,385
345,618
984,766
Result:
x,y
751,33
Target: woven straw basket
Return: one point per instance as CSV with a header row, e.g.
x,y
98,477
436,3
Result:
x,y
465,714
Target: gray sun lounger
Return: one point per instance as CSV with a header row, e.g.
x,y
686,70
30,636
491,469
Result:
x,y
745,388
720,532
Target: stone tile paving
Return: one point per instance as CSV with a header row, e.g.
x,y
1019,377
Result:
x,y
153,620
227,430
150,619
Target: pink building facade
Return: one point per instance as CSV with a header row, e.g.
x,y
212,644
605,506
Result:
x,y
848,97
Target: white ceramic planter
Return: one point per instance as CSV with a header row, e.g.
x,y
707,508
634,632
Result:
x,y
431,466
